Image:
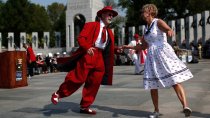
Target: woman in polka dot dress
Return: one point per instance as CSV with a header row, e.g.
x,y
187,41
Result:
x,y
163,69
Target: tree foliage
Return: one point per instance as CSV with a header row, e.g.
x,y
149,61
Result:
x,y
23,16
57,15
54,11
168,9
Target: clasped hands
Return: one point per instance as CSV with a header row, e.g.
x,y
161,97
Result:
x,y
137,47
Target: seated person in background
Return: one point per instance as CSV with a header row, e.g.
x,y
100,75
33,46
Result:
x,y
53,63
41,64
48,61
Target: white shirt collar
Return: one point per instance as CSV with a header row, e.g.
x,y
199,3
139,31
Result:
x,y
102,24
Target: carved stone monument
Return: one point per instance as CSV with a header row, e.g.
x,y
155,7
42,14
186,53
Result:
x,y
208,26
181,33
35,40
204,25
197,28
78,12
22,40
57,39
10,41
46,40
173,27
189,30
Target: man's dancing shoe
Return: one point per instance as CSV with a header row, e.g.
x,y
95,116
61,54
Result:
x,y
87,111
55,98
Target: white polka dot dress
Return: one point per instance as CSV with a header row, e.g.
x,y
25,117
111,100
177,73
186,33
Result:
x,y
162,67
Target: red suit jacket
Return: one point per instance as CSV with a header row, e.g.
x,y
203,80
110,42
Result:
x,y
86,39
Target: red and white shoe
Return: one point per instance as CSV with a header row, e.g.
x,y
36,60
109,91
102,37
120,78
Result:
x,y
55,98
87,111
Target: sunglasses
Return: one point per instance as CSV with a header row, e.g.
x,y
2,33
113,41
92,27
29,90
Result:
x,y
110,15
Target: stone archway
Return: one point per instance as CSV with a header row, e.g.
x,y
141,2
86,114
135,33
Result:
x,y
85,10
79,21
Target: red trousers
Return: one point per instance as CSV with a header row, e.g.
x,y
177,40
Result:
x,y
89,70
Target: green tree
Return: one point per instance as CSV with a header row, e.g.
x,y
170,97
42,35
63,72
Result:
x,y
39,22
57,15
39,19
23,16
14,14
167,9
54,11
1,20
14,18
60,26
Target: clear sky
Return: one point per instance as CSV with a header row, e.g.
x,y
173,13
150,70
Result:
x,y
48,2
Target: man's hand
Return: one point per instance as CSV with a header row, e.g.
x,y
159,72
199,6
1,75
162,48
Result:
x,y
90,51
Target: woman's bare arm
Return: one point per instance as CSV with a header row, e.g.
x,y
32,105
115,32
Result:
x,y
165,28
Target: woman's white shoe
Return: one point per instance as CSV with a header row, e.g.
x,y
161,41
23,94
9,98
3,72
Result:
x,y
187,111
154,115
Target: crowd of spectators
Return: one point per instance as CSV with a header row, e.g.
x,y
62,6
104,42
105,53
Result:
x,y
46,64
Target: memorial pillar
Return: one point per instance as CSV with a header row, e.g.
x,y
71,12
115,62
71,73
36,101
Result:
x,y
10,41
173,27
46,40
22,40
189,31
35,40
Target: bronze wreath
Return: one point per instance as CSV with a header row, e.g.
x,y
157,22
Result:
x,y
208,20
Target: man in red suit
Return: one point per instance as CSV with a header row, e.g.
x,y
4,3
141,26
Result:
x,y
31,59
95,63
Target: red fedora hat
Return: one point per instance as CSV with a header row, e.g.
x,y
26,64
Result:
x,y
105,9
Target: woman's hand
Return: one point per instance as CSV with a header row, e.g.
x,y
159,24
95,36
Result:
x,y
170,33
138,47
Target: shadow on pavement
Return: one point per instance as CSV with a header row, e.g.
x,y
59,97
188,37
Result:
x,y
61,107
64,107
200,115
117,111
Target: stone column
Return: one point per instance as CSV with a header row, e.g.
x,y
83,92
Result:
x,y
11,41
0,42
173,27
189,31
141,30
208,27
46,40
180,32
68,34
57,39
22,40
197,28
131,31
121,39
72,38
203,24
35,40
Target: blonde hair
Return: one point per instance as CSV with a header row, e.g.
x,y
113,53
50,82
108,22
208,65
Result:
x,y
150,8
